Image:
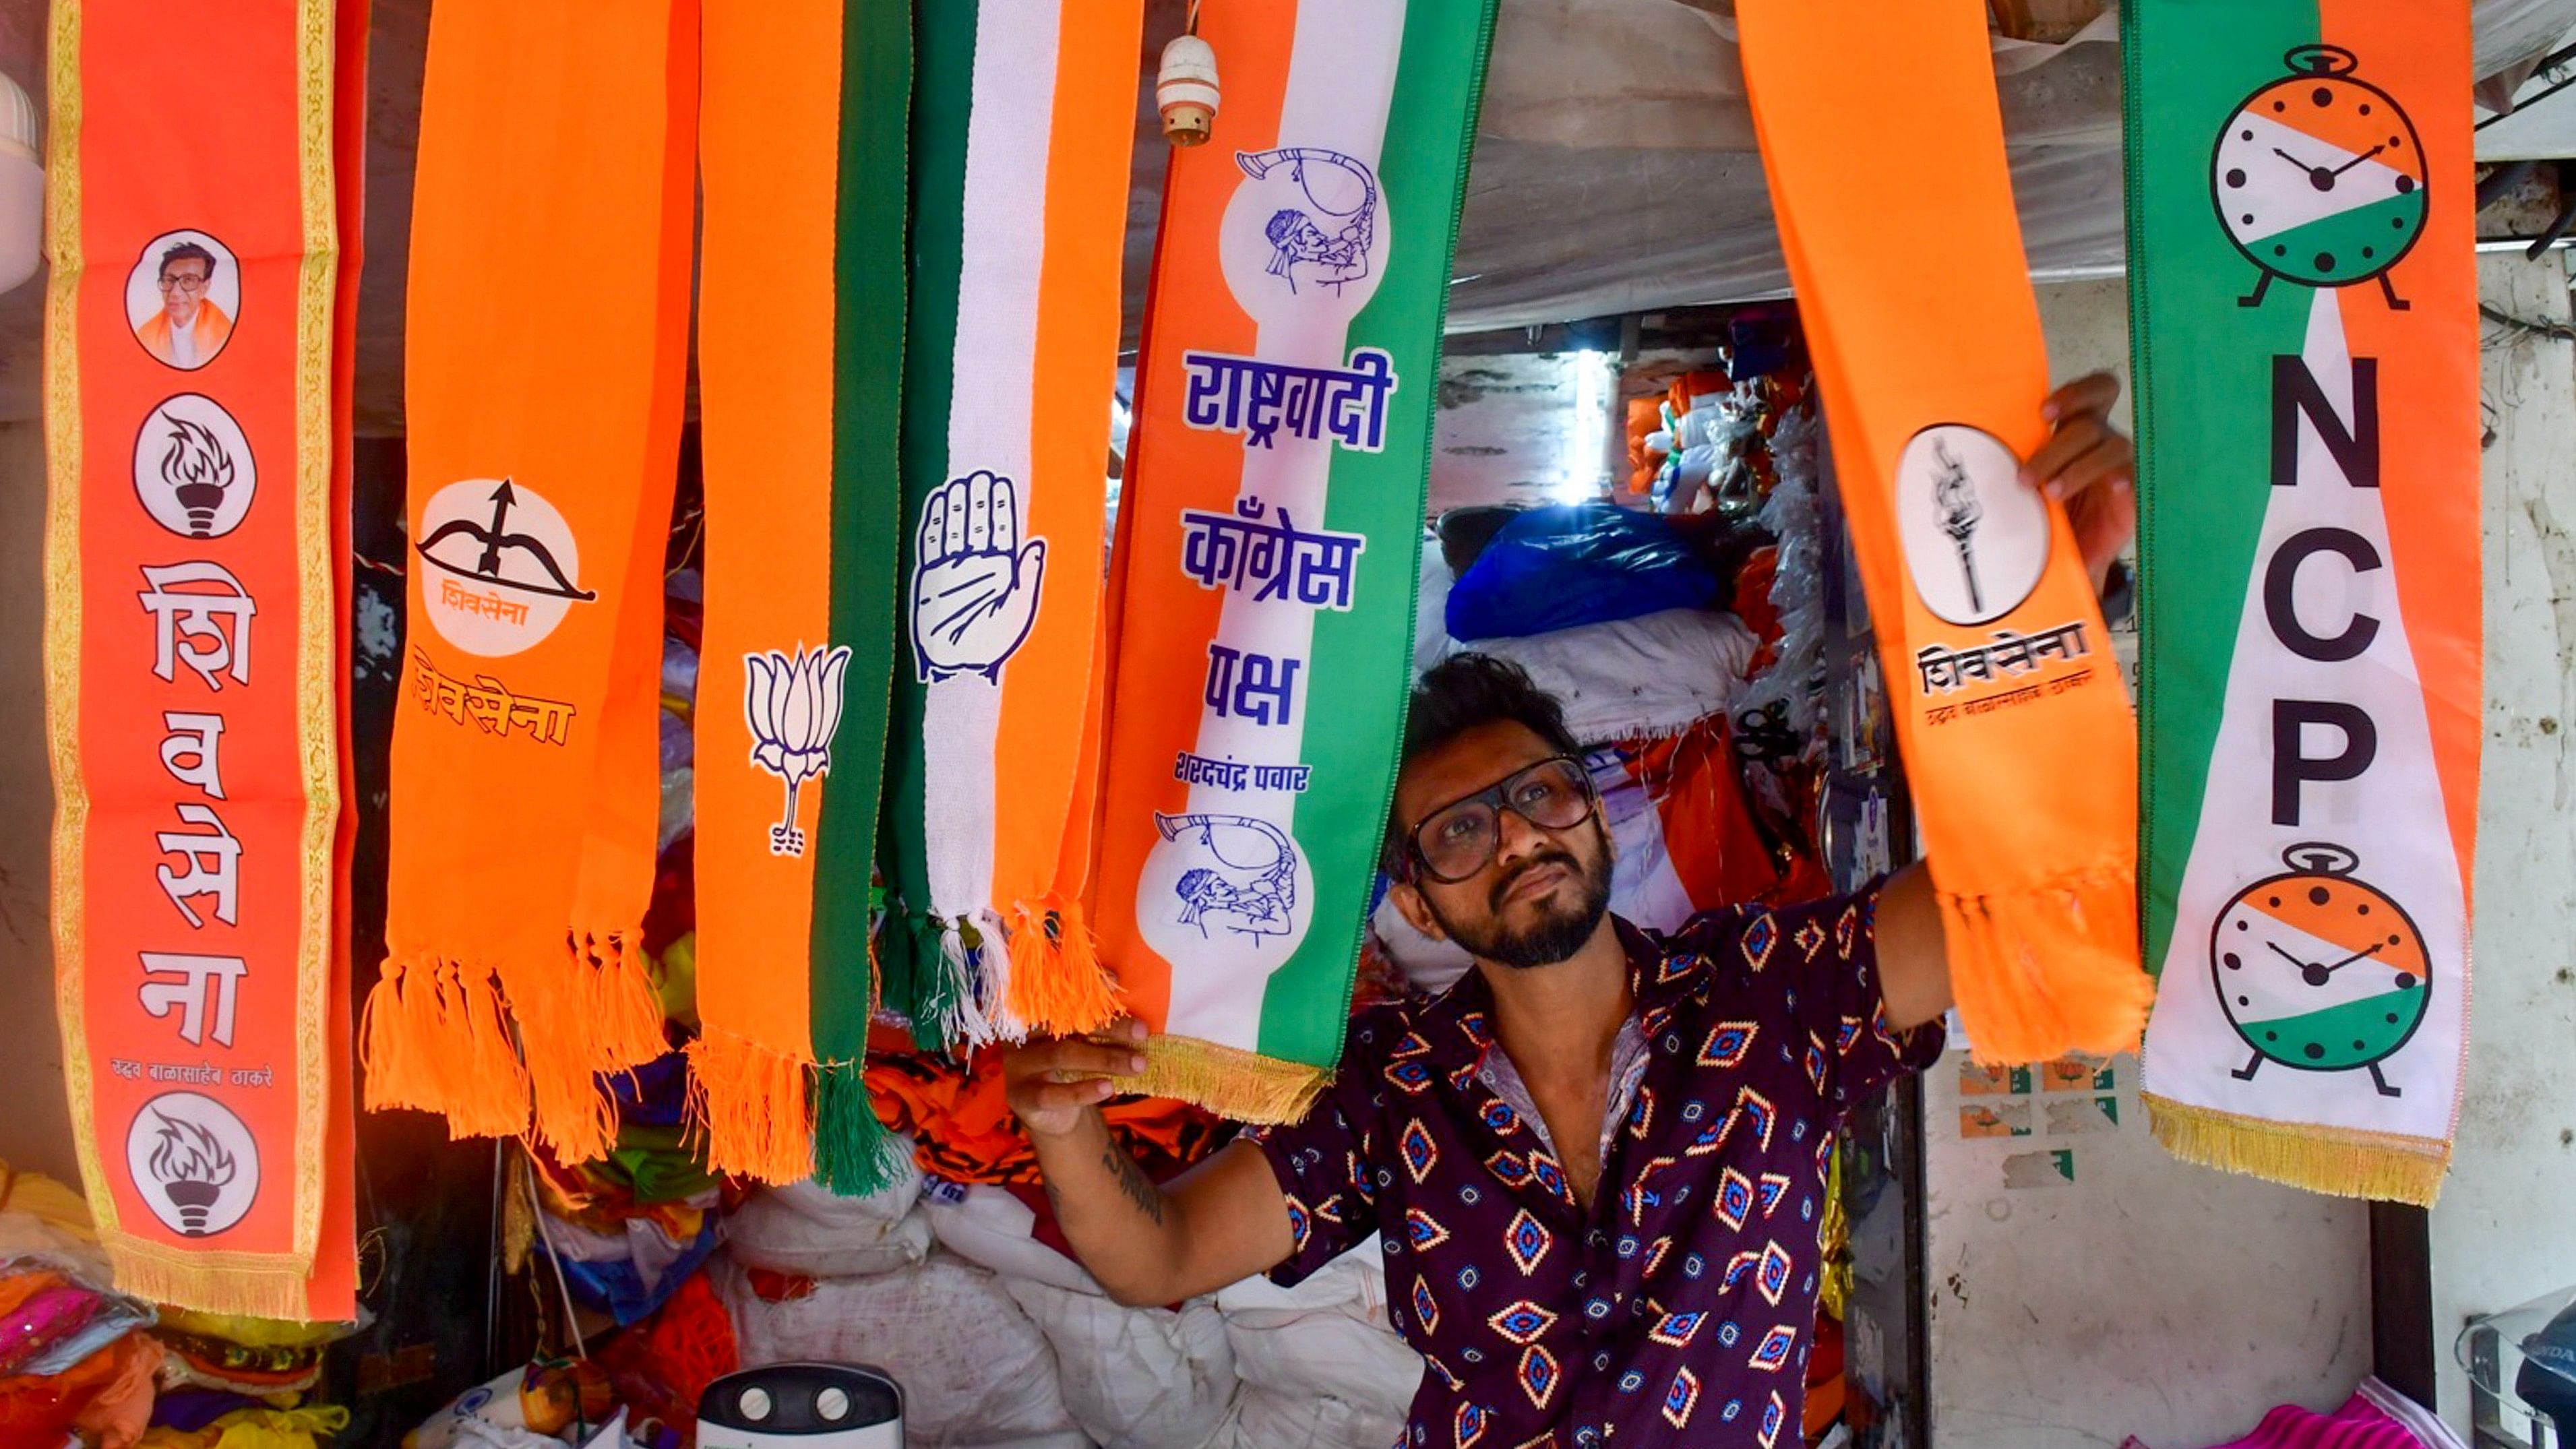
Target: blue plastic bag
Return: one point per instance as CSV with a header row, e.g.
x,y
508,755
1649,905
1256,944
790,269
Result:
x,y
1577,563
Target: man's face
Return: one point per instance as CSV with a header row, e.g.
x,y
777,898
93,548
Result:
x,y
1544,893
183,285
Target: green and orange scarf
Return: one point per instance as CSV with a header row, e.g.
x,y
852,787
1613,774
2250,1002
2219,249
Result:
x,y
2304,301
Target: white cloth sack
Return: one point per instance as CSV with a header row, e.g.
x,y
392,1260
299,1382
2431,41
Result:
x,y
990,1228
975,1371
1327,1339
1137,1378
803,1228
1655,674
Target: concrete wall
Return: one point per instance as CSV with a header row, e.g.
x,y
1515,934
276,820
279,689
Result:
x,y
35,1121
2505,1229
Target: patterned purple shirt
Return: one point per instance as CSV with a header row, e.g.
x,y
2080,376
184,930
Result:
x,y
1676,1311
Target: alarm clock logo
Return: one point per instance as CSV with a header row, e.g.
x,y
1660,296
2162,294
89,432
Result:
x,y
2318,971
2319,178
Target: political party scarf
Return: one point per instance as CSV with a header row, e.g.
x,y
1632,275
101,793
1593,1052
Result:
x,y
2304,303
2017,737
194,666
1023,129
1269,527
802,137
544,363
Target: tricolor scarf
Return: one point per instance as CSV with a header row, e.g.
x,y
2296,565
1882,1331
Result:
x,y
2305,307
546,327
194,658
800,336
1267,559
1023,128
2017,738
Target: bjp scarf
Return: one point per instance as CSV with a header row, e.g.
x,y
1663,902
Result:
x,y
2016,733
546,327
800,335
2305,305
194,657
1023,126
1267,562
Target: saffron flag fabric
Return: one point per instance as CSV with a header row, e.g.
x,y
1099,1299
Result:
x,y
1269,534
545,360
2018,740
802,142
2304,300
1023,126
196,440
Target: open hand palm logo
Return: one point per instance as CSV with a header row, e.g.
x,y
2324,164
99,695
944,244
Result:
x,y
975,586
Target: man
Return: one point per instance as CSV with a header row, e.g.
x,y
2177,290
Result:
x,y
189,329
1597,1163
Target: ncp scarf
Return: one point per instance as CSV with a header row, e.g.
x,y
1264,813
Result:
x,y
1023,126
2017,738
193,655
800,336
547,317
1267,558
2304,302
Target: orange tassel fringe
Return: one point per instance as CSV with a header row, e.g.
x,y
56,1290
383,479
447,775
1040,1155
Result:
x,y
2042,973
750,1104
1058,985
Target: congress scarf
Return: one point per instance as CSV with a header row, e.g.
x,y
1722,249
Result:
x,y
800,335
1023,127
196,410
2305,308
2018,740
546,328
1267,562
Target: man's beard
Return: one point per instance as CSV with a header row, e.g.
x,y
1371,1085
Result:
x,y
1559,931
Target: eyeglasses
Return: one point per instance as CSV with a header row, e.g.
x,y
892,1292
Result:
x,y
1461,838
183,283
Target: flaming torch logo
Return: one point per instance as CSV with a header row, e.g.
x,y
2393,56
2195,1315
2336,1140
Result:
x,y
193,1169
199,473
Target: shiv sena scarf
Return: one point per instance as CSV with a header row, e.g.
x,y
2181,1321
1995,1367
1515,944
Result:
x,y
1266,566
547,321
2305,305
1023,128
196,409
802,138
2017,738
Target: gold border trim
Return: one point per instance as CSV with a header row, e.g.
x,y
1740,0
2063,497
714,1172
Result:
x,y
1229,1081
63,588
2337,1161
317,702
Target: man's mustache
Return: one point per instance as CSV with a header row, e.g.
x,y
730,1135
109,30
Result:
x,y
1551,856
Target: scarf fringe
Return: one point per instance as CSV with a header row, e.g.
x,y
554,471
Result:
x,y
2336,1161
1058,985
2050,970
855,1155
617,995
253,1285
747,1102
596,1015
1238,1085
433,1038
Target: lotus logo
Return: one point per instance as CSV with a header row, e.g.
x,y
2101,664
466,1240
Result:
x,y
792,707
198,472
193,1169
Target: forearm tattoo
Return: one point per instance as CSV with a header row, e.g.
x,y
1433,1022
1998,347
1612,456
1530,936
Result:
x,y
1132,1181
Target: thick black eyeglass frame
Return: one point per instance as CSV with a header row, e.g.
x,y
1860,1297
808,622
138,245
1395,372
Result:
x,y
1417,863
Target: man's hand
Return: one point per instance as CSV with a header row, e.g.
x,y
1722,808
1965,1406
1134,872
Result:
x,y
1053,1084
2091,467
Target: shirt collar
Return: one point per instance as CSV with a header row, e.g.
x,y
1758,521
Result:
x,y
1454,1029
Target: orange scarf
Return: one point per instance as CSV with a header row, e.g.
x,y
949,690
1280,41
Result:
x,y
200,840
548,316
2018,739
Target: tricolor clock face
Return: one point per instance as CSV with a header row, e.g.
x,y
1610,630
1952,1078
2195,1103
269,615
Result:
x,y
2317,970
2319,177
